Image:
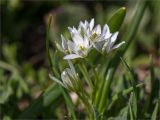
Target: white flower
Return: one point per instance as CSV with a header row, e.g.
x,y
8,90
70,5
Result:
x,y
106,45
86,37
101,39
94,34
79,47
86,28
70,79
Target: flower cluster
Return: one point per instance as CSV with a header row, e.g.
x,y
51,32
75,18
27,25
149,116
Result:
x,y
86,37
83,39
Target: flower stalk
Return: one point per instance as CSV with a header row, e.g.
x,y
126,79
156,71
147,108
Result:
x,y
84,39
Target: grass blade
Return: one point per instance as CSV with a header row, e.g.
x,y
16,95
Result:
x,y
122,93
155,112
131,75
84,71
131,110
106,89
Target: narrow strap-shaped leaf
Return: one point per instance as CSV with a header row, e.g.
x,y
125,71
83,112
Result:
x,y
132,106
69,103
122,93
106,89
84,71
133,83
123,114
155,112
131,75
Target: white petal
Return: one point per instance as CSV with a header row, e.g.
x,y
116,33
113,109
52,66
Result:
x,y
108,45
75,30
71,56
114,37
64,43
106,32
59,47
86,41
91,25
98,29
105,29
70,29
77,38
118,45
56,80
73,71
99,45
81,27
86,24
66,79
72,46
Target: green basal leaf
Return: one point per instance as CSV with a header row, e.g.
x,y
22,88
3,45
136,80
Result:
x,y
130,74
155,112
117,19
133,106
121,94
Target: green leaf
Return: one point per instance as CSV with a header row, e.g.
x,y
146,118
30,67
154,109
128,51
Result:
x,y
155,86
131,75
117,19
133,106
106,88
133,97
69,102
122,93
85,73
154,114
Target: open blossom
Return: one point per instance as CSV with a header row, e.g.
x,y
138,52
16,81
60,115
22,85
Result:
x,y
94,34
79,47
106,45
101,39
87,37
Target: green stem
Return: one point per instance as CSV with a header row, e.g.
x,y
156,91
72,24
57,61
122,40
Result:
x,y
94,85
87,105
84,71
105,91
